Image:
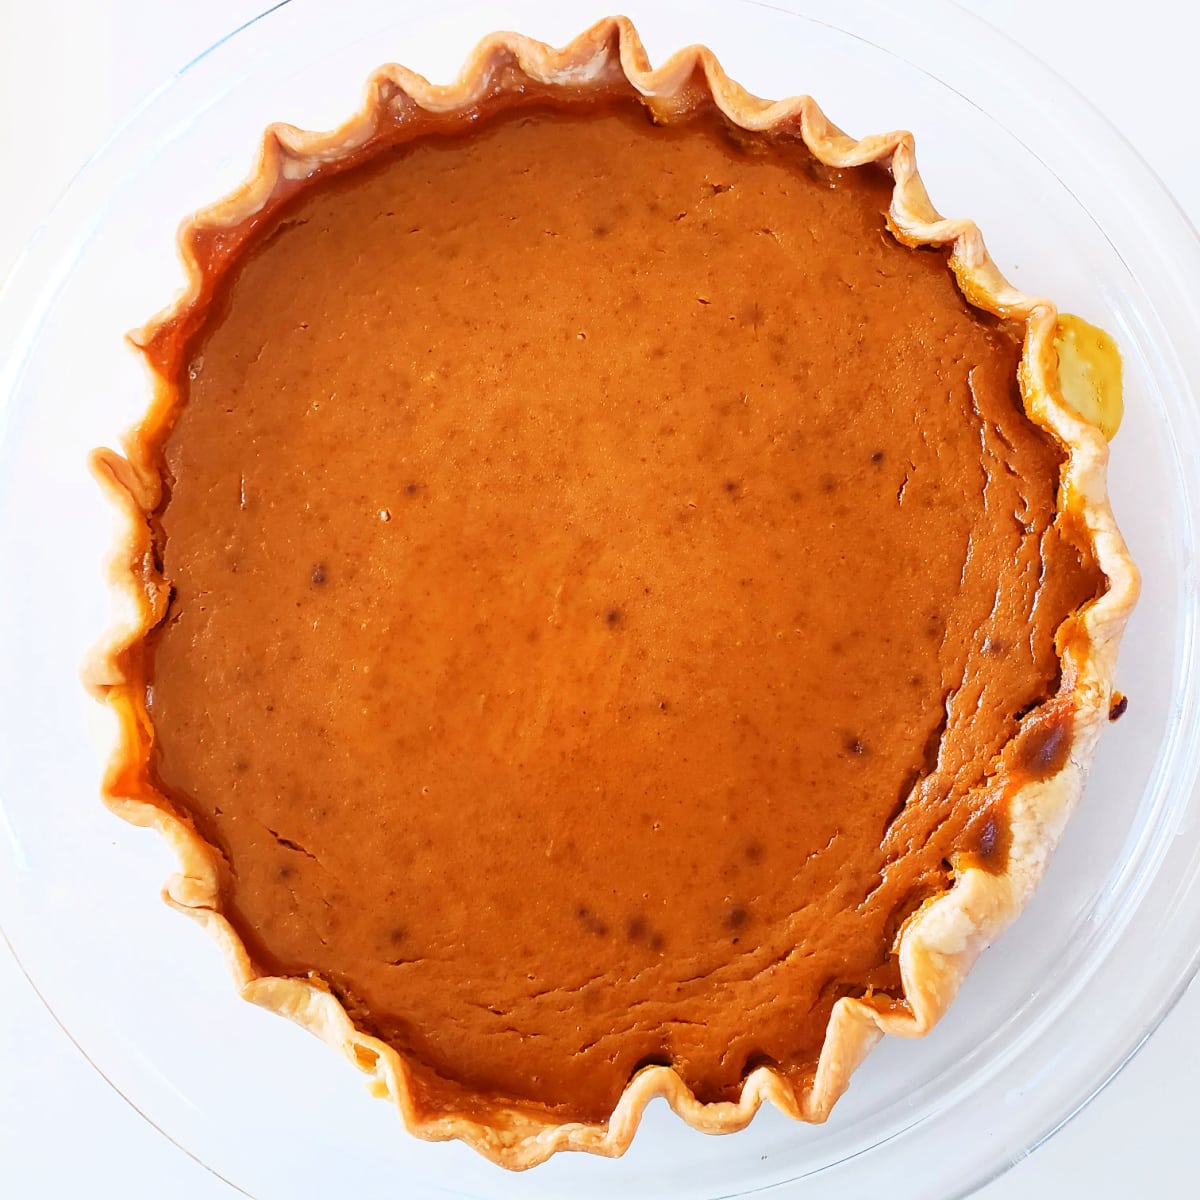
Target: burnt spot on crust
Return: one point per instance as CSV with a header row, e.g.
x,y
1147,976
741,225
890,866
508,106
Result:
x,y
1116,710
614,618
985,844
319,575
1045,745
989,838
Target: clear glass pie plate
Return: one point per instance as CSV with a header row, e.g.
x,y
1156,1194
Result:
x,y
1050,1013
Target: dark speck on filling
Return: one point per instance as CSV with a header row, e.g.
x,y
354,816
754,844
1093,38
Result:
x,y
448,781
592,923
736,917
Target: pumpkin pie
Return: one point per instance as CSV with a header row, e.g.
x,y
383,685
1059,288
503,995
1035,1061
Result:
x,y
620,605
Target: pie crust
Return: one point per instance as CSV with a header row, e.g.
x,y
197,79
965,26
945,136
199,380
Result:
x,y
940,942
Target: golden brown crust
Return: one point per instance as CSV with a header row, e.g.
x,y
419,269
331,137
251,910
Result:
x,y
939,943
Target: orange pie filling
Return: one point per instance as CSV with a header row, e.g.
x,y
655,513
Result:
x,y
609,575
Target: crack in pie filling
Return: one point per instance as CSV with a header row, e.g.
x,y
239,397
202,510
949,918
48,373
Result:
x,y
620,604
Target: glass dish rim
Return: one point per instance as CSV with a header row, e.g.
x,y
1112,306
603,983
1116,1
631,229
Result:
x,y
26,332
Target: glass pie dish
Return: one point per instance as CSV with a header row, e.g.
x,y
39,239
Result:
x,y
1117,915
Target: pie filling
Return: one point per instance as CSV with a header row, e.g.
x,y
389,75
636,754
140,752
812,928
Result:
x,y
606,570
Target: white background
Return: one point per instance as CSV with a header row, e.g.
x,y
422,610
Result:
x,y
69,72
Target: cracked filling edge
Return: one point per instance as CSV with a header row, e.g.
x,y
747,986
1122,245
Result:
x,y
940,942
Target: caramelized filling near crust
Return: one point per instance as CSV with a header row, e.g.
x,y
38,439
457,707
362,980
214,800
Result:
x,y
606,567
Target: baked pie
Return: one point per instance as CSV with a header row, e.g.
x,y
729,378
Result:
x,y
621,605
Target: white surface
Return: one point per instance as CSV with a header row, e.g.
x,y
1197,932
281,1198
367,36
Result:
x,y
61,1128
